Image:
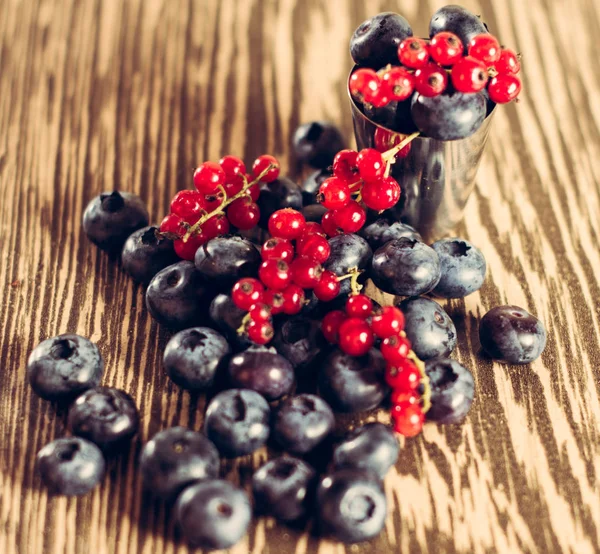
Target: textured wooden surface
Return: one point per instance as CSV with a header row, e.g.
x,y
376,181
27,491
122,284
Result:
x,y
96,94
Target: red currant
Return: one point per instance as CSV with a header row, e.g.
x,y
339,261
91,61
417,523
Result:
x,y
210,202
405,377
260,332
261,164
350,218
293,299
413,52
431,80
504,88
334,193
215,226
306,272
382,195
311,228
395,349
260,312
365,85
328,287
174,225
370,164
355,337
187,250
275,274
232,166
316,248
399,82
243,213
344,165
408,419
253,192
446,48
187,204
469,75
331,325
359,306
286,224
247,292
329,225
485,47
208,177
508,62
402,396
273,299
233,185
387,322
385,140
279,249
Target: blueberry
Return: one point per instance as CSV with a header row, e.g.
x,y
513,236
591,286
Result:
x,y
372,446
106,416
111,217
222,261
352,384
452,390
70,466
316,143
174,459
226,317
428,327
347,252
451,115
283,488
281,193
386,116
177,297
403,123
463,268
237,421
457,20
405,267
351,505
510,334
62,367
262,370
299,339
310,188
213,515
381,231
145,253
375,41
193,356
302,422
314,212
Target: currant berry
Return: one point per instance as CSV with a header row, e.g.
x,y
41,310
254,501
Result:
x,y
385,140
187,204
243,213
351,218
413,52
275,274
293,300
310,229
278,249
260,332
187,250
247,292
395,349
234,185
261,164
210,202
173,225
334,193
286,224
387,322
408,419
344,165
329,225
355,337
233,167
365,85
504,88
215,226
371,166
359,306
402,396
273,299
446,48
469,75
208,177
404,377
431,80
315,247
508,62
306,272
260,312
382,195
330,325
400,83
328,287
485,47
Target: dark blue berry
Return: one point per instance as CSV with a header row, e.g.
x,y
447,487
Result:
x,y
111,217
227,318
62,367
463,268
106,416
310,189
458,20
174,459
382,231
281,193
428,327
351,505
386,116
316,143
314,212
145,253
511,334
193,356
261,369
372,446
405,267
237,421
299,339
347,252
452,390
71,466
283,488
213,515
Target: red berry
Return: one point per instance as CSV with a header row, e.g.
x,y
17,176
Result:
x,y
382,195
260,332
253,192
233,186
216,226
504,88
279,249
387,322
446,48
405,377
350,218
315,247
187,250
286,224
261,164
359,306
431,80
365,85
208,177
385,140
400,83
187,204
247,292
402,396
382,97
413,52
328,287
310,228
273,299
485,47
469,75
293,299
408,419
334,193
329,225
306,272
508,62
173,224
232,166
243,213
331,325
260,312
210,202
275,274
395,349
370,164
355,337
344,165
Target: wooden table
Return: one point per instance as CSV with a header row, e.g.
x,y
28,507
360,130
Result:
x,y
132,94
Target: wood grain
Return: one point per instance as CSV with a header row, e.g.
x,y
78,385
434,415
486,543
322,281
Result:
x,y
132,94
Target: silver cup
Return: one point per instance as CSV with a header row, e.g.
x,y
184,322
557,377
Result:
x,y
436,176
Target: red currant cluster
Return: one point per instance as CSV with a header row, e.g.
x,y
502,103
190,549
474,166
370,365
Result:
x,y
225,196
355,330
427,66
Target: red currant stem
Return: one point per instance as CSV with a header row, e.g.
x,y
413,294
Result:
x,y
426,396
492,72
389,157
242,328
353,274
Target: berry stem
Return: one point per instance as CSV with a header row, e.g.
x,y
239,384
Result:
x,y
389,157
242,328
353,274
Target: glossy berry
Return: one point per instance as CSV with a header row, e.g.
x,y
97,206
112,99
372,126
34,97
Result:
x,y
277,195
347,252
232,166
278,249
387,321
211,202
260,332
331,325
310,190
446,48
355,337
316,143
381,195
208,177
381,231
344,165
408,419
173,225
431,80
275,274
371,166
261,164
400,83
293,299
328,286
395,349
286,224
243,213
359,306
188,205
485,47
458,20
469,75
310,228
334,193
508,62
215,226
274,299
186,249
260,312
145,253
405,376
227,318
299,339
306,272
401,396
504,88
315,247
452,390
329,224
413,52
351,218
247,292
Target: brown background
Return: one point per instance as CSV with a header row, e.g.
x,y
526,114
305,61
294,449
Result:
x,y
98,94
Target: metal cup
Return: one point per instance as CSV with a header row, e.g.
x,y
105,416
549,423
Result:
x,y
436,177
